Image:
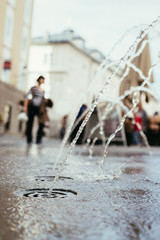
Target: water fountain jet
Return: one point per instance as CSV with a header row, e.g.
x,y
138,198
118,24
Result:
x,y
124,59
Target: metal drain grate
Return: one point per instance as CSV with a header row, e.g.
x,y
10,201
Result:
x,y
50,178
43,193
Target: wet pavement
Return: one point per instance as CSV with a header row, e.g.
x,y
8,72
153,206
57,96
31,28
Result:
x,y
122,203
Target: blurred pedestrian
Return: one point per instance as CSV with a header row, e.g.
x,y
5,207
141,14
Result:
x,y
137,128
32,108
141,124
79,119
22,117
63,126
43,117
1,124
145,119
154,130
129,128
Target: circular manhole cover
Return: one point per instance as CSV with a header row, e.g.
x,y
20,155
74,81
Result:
x,y
50,178
43,193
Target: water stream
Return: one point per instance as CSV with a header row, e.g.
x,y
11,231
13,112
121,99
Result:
x,y
102,68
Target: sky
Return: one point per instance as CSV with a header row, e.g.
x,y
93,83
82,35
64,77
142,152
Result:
x,y
100,22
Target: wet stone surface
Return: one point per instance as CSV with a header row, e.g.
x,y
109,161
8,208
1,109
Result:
x,y
51,178
120,204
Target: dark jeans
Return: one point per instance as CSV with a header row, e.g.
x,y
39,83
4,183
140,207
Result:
x,y
32,112
73,134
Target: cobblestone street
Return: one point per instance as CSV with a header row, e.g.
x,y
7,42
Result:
x,y
123,203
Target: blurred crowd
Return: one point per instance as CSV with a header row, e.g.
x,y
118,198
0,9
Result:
x,y
140,128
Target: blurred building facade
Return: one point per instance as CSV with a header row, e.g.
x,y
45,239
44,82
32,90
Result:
x,y
15,32
69,67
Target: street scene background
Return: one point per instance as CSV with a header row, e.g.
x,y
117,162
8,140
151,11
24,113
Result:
x,y
79,119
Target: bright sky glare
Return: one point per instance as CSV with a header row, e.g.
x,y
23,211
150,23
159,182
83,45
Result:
x,y
100,22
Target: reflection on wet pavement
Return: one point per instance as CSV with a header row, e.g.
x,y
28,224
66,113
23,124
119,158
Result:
x,y
122,208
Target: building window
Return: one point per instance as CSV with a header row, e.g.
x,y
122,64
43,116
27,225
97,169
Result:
x,y
48,58
5,75
21,81
45,58
12,2
7,65
24,43
9,27
27,14
84,66
51,58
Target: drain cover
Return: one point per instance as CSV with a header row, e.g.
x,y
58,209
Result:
x,y
50,178
43,193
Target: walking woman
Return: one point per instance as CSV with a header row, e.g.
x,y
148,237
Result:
x,y
32,108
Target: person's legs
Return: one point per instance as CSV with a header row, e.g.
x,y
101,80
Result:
x,y
80,139
136,137
29,125
40,133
